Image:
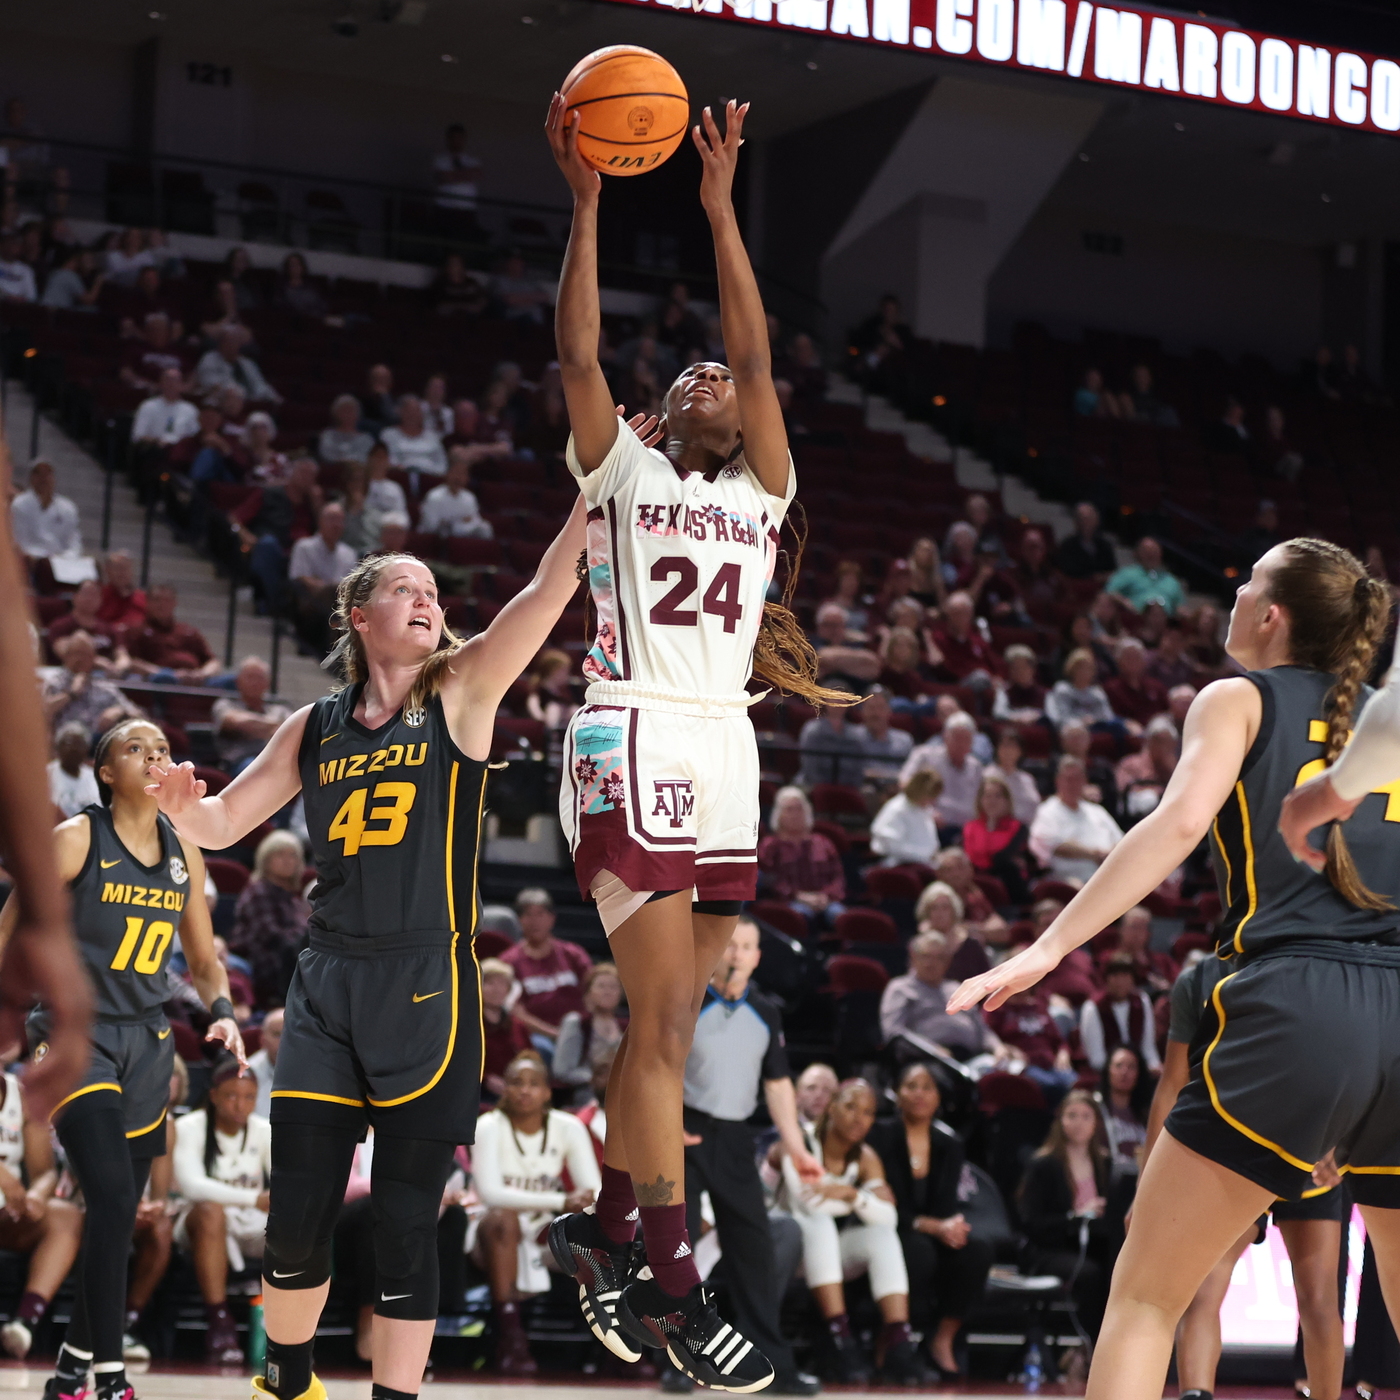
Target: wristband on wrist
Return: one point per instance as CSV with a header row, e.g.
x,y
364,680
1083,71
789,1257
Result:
x,y
221,1009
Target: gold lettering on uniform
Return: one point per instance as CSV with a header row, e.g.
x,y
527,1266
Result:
x,y
376,760
357,765
341,773
111,894
395,752
138,897
328,772
408,757
170,900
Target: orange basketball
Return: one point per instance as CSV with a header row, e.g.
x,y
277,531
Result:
x,y
632,105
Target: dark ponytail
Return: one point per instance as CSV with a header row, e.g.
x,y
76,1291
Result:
x,y
1338,616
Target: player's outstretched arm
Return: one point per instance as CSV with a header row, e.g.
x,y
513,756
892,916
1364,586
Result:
x,y
265,786
578,317
1220,726
741,314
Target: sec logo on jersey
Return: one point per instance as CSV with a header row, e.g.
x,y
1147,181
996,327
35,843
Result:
x,y
178,873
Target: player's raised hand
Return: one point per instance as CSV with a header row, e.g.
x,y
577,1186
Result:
x,y
561,127
175,789
1014,975
228,1035
1307,807
719,154
647,426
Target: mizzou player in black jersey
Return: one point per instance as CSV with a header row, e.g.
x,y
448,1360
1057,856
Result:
x,y
383,1021
1298,1052
135,884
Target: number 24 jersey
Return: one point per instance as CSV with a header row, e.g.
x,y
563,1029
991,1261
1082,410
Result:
x,y
679,565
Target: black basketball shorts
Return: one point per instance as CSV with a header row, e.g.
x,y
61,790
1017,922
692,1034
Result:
x,y
1299,1053
1316,1204
132,1059
383,1031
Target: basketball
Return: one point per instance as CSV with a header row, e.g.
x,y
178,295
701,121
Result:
x,y
633,108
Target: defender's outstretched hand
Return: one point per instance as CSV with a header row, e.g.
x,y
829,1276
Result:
x,y
1307,807
647,426
719,154
1014,975
562,130
175,789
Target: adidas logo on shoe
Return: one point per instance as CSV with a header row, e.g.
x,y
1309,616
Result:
x,y
682,1251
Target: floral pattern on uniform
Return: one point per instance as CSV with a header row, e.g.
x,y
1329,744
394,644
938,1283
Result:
x,y
601,662
599,765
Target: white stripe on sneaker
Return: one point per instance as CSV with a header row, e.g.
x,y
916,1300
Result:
x,y
727,1348
724,1331
737,1358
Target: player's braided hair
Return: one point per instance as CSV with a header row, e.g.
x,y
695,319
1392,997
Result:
x,y
1338,616
347,657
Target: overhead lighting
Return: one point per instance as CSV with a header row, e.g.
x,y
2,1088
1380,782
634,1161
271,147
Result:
x,y
1180,126
156,14
1327,199
527,19
811,67
449,58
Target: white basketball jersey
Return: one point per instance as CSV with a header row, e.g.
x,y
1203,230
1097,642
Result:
x,y
12,1127
679,565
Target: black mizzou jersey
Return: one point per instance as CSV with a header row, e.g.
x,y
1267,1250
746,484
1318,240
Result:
x,y
394,816
1267,896
125,915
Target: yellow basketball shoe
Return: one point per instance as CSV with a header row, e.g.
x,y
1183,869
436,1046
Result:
x,y
315,1391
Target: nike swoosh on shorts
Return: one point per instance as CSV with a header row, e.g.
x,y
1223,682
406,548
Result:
x,y
426,995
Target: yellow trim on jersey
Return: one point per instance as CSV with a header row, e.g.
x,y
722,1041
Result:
x,y
78,1093
1317,731
476,866
1249,884
452,921
1370,1171
1215,1097
150,1128
320,1098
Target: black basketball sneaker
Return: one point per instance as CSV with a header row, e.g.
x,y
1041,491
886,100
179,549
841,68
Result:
x,y
699,1342
602,1269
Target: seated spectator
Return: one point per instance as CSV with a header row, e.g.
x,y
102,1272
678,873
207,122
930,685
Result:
x,y
548,433
1080,633
233,405
169,651
150,354
550,970
16,276
1088,552
1079,697
45,524
271,916
1067,1185
123,604
226,364
361,523
344,440
901,671
549,697
1179,699
1125,1091
1142,777
956,870
1275,454
850,597
223,1162
917,1003
76,694
940,910
167,418
1168,663
815,1087
950,756
72,783
1025,1026
884,747
495,423
1146,406
1077,742
1120,1015
1025,796
840,660
853,1191
879,341
1092,400
76,283
802,367
521,296
455,293
1204,645
452,509
905,831
270,521
1146,581
297,293
1228,434
262,1063
379,408
126,260
34,1221
962,567
926,573
1070,834
1155,971
393,538
967,656
263,463
209,454
924,1163
1020,699
412,444
799,865
833,749
1033,583
86,616
996,841
436,411
317,565
524,1155
1134,695
243,725
599,1026
505,1036
384,495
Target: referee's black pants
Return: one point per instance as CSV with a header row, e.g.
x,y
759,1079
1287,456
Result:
x,y
723,1164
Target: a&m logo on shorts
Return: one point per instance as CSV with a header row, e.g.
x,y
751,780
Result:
x,y
675,798
178,873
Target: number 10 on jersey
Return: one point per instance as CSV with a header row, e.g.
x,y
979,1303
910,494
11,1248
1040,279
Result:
x,y
721,598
